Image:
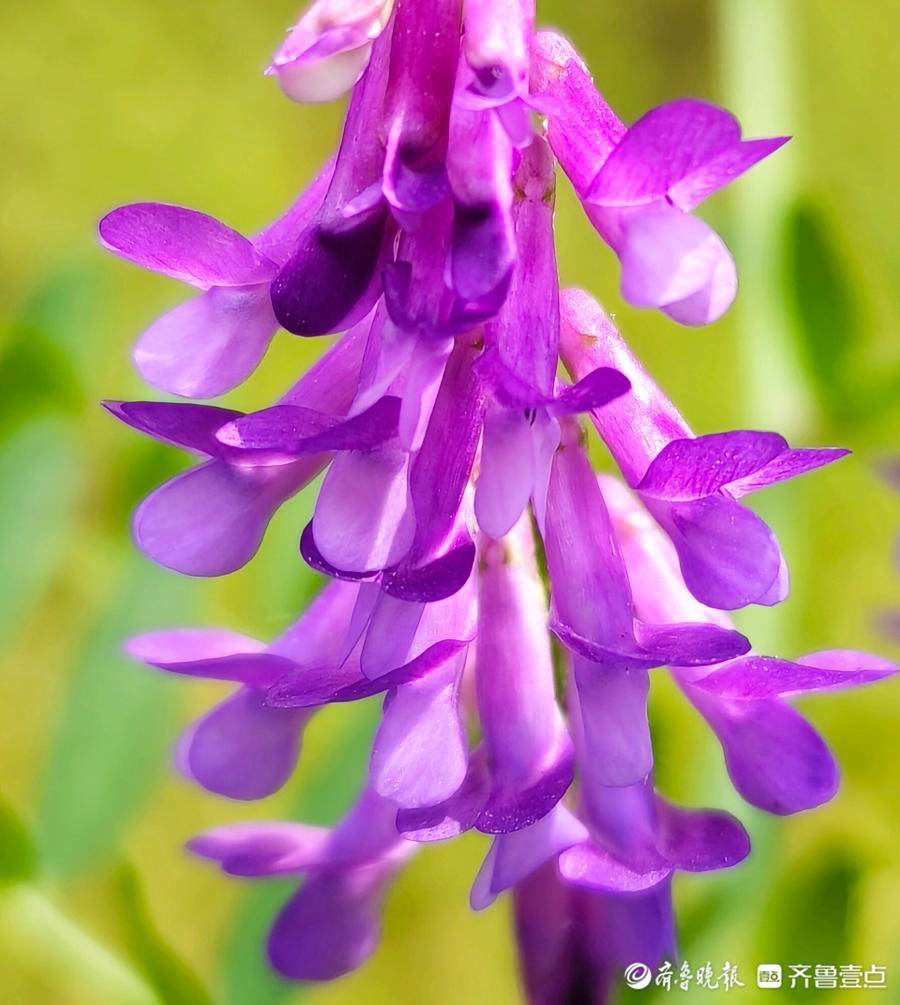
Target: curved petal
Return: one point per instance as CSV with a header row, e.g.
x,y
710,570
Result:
x,y
453,816
210,520
208,345
242,749
192,427
700,840
183,244
588,865
506,473
263,849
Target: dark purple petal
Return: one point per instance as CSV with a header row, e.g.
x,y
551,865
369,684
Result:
x,y
729,558
509,810
693,644
694,468
291,430
313,558
183,244
700,840
190,426
595,390
757,678
208,345
435,580
243,749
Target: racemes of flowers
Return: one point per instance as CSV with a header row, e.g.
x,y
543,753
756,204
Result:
x,y
459,525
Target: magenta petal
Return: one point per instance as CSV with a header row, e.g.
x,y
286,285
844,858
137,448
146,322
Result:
x,y
210,520
209,344
756,678
590,866
729,558
700,840
721,170
242,749
193,427
364,529
790,464
694,468
420,719
331,926
184,244
595,390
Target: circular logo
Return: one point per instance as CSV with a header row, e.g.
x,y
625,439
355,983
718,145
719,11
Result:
x,y
638,975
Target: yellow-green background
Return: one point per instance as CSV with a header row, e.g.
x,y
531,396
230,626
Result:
x,y
104,103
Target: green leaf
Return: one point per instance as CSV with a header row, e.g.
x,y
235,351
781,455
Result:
x,y
826,311
18,854
165,971
36,375
40,476
111,744
329,785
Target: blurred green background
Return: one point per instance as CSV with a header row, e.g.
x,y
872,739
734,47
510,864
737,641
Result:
x,y
105,103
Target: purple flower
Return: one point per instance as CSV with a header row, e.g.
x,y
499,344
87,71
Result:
x,y
506,605
639,185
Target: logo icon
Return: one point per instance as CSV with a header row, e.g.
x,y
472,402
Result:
x,y
768,975
638,975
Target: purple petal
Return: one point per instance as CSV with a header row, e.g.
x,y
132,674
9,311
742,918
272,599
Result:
x,y
595,390
757,678
331,926
420,719
190,426
693,644
513,809
313,558
515,856
776,760
363,519
694,468
496,40
391,633
242,749
435,580
588,865
729,557
789,465
668,255
700,840
506,475
712,300
455,815
183,244
209,653
210,520
209,344
331,280
423,380
291,430
263,849
316,635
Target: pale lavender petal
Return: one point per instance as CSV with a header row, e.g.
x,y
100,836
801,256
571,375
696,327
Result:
x,y
496,40
424,373
209,344
263,849
420,753
455,815
693,468
712,300
243,749
370,530
210,520
390,635
588,865
506,475
185,245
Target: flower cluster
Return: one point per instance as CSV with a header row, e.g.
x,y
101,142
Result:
x,y
458,496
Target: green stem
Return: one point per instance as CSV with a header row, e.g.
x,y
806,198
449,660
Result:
x,y
35,932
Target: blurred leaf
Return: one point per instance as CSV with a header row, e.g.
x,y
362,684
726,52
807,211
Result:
x,y
40,475
110,746
328,789
36,375
18,855
164,970
826,312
